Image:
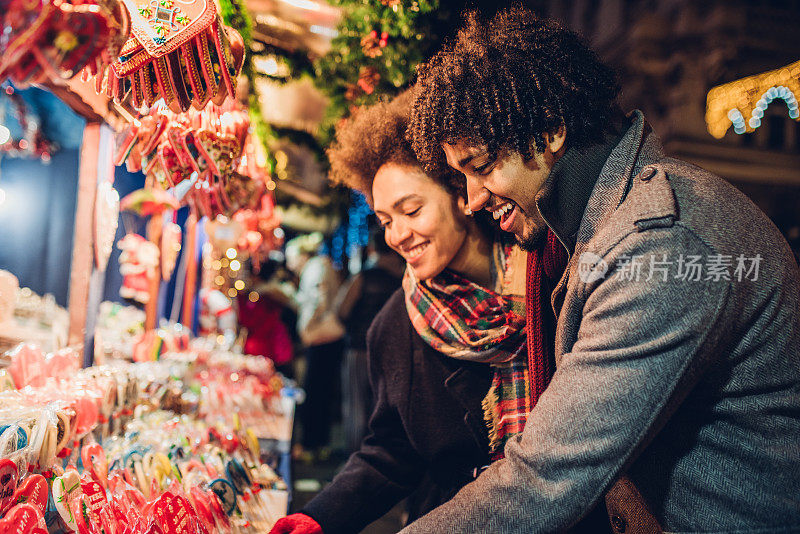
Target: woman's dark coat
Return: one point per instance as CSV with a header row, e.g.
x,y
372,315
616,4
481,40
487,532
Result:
x,y
426,433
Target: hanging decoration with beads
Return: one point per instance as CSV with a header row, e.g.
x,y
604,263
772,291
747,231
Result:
x,y
742,103
379,44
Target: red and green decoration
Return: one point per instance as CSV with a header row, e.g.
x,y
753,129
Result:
x,y
380,43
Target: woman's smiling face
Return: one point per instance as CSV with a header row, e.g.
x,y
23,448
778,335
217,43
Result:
x,y
423,222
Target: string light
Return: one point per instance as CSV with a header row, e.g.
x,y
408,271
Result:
x,y
239,284
730,104
235,265
231,253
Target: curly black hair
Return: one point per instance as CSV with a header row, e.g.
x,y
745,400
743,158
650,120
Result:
x,y
505,83
374,136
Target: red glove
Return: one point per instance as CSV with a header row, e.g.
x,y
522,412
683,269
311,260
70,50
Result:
x,y
296,524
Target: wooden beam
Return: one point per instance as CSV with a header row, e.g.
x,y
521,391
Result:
x,y
82,252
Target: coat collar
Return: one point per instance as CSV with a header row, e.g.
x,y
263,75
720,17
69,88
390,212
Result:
x,y
565,194
638,147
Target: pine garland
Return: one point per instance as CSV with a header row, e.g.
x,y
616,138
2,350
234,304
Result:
x,y
379,45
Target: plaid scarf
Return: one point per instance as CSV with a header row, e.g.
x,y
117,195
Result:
x,y
464,320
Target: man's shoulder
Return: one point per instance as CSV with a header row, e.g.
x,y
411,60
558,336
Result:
x,y
669,192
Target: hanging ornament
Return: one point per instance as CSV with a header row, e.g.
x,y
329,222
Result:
x,y
370,45
181,54
137,263
170,246
106,219
368,79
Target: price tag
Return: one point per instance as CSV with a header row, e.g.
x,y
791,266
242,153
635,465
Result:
x,y
174,514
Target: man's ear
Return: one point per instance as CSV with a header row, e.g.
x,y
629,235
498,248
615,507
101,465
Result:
x,y
555,140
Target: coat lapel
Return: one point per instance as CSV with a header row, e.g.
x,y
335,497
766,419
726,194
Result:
x,y
639,147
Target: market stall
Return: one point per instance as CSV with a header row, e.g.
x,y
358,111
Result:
x,y
118,418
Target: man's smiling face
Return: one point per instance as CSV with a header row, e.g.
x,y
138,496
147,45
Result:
x,y
507,185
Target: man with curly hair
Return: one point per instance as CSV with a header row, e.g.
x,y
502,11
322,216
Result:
x,y
676,394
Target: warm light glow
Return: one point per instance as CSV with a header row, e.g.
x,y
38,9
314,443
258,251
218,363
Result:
x,y
266,65
5,134
239,284
323,30
741,103
271,185
232,293
219,280
303,4
253,296
235,265
216,265
231,253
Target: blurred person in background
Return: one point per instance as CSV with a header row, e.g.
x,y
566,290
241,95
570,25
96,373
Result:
x,y
261,312
322,336
359,301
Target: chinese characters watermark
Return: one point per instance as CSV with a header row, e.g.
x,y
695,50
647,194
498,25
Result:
x,y
684,267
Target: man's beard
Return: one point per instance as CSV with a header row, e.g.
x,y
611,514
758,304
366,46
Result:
x,y
534,230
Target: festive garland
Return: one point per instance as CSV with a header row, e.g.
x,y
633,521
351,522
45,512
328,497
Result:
x,y
379,45
235,15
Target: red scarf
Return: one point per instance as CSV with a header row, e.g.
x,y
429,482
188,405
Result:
x,y
546,264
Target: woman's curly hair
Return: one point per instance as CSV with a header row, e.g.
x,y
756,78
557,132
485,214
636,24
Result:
x,y
505,83
374,136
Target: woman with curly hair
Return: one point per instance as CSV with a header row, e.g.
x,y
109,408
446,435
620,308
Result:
x,y
447,353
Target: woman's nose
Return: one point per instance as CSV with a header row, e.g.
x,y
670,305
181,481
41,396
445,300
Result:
x,y
399,232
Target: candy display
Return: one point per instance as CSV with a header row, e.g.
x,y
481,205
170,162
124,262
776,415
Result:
x,y
26,316
137,447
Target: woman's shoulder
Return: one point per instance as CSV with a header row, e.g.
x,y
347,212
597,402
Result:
x,y
391,324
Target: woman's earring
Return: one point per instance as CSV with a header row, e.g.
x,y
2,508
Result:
x,y
467,212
